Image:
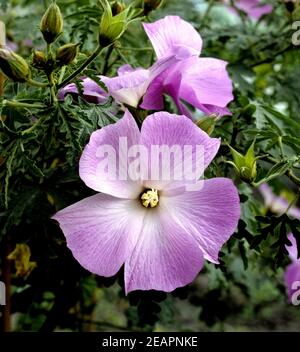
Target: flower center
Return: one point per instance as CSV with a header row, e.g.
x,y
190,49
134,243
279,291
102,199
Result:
x,y
149,198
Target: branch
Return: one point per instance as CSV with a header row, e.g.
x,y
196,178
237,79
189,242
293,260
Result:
x,y
73,75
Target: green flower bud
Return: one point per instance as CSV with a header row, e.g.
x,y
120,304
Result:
x,y
14,66
245,165
52,23
66,54
150,5
111,27
207,123
39,60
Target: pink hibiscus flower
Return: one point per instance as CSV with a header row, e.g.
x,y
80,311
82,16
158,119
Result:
x,y
159,230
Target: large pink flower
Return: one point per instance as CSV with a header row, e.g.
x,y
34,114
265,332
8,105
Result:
x,y
178,72
292,273
161,231
202,82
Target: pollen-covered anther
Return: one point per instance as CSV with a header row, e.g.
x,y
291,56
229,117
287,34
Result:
x,y
149,198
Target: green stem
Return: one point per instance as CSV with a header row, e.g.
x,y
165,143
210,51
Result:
x,y
37,84
135,49
292,202
206,14
288,173
73,75
17,104
52,88
106,59
281,146
49,50
294,178
50,77
61,75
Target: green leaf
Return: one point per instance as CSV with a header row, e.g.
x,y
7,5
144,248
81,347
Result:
x,y
278,169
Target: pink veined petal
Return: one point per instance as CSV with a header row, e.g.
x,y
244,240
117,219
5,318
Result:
x,y
211,109
164,258
205,81
254,8
173,36
206,109
292,280
129,87
204,84
210,214
191,150
92,92
131,84
166,83
124,69
101,165
292,249
153,98
101,231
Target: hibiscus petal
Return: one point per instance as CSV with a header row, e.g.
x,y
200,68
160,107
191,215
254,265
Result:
x,y
212,109
129,87
211,214
101,231
292,279
131,84
205,81
173,36
292,250
177,133
253,8
101,165
124,69
164,258
168,82
154,99
92,92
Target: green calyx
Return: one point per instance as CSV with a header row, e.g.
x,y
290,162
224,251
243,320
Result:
x,y
66,54
245,165
111,27
207,123
14,66
51,24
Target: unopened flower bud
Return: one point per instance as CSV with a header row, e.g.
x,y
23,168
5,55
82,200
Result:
x,y
207,123
14,66
52,23
66,54
150,5
245,165
111,27
117,7
39,60
290,5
